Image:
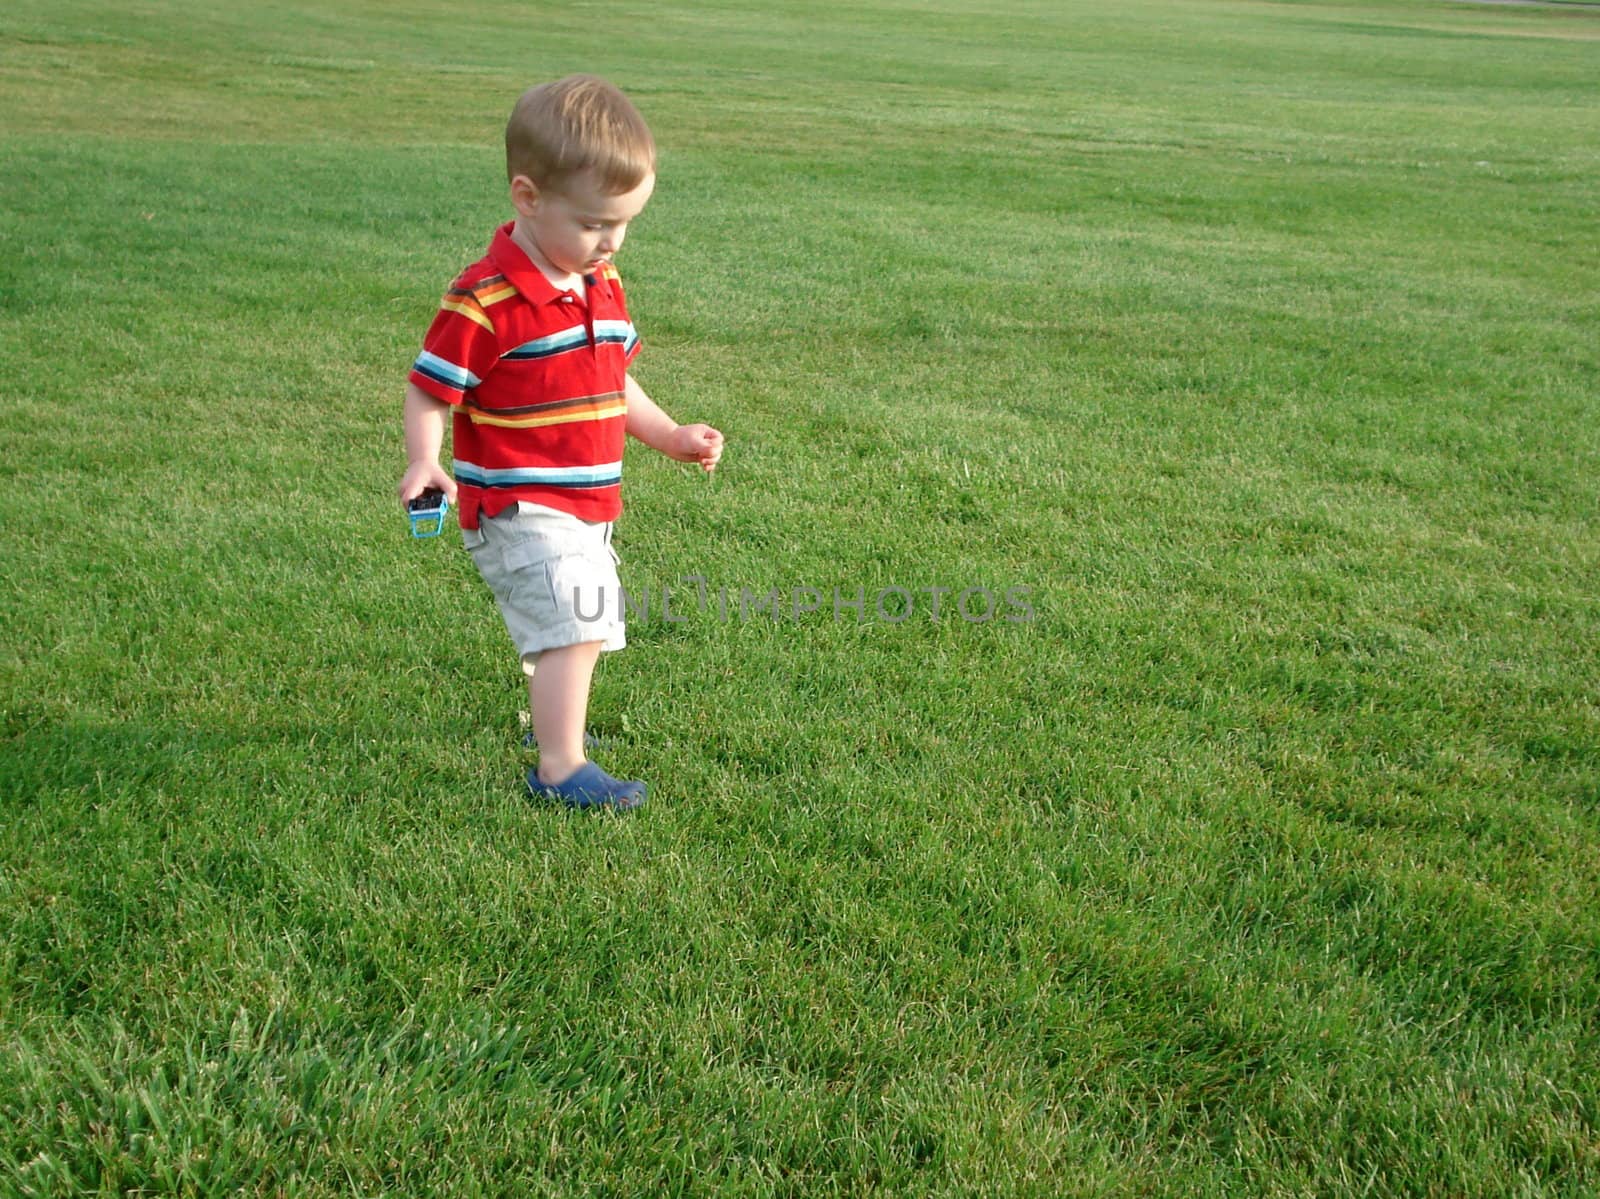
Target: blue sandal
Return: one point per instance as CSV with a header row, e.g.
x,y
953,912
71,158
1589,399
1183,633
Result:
x,y
590,787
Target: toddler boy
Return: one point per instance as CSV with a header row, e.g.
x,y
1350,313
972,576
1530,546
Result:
x,y
530,351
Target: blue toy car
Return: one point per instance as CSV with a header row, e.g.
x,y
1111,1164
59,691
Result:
x,y
427,513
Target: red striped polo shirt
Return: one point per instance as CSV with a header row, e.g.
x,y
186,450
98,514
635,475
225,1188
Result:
x,y
536,377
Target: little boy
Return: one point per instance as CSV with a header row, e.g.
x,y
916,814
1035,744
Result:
x,y
530,351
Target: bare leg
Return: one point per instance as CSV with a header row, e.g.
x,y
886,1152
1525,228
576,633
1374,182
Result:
x,y
558,696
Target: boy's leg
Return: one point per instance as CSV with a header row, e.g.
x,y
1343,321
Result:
x,y
558,696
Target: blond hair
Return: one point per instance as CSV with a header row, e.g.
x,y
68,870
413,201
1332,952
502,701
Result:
x,y
576,124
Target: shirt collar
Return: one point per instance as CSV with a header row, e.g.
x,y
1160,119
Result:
x,y
513,262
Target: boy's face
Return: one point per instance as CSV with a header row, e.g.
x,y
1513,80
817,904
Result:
x,y
576,227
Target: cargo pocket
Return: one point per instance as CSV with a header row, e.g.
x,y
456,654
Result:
x,y
530,582
579,585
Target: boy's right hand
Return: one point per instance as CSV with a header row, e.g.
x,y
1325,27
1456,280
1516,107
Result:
x,y
422,476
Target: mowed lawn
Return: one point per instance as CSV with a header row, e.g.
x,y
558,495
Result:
x,y
1228,371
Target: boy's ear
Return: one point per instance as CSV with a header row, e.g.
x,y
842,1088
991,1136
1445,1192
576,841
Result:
x,y
524,195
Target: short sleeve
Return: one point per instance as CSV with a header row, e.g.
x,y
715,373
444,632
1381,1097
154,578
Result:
x,y
459,349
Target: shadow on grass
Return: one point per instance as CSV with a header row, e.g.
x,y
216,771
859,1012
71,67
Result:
x,y
41,757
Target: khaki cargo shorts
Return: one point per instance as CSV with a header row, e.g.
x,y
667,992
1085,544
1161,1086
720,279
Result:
x,y
554,577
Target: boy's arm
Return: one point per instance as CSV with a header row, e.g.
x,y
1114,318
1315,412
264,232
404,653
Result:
x,y
686,443
424,425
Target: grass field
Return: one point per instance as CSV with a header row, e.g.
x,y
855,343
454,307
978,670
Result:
x,y
1256,341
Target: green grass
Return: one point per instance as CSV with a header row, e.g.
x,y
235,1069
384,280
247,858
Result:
x,y
1257,340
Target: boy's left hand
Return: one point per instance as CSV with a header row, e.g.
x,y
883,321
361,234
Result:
x,y
696,443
